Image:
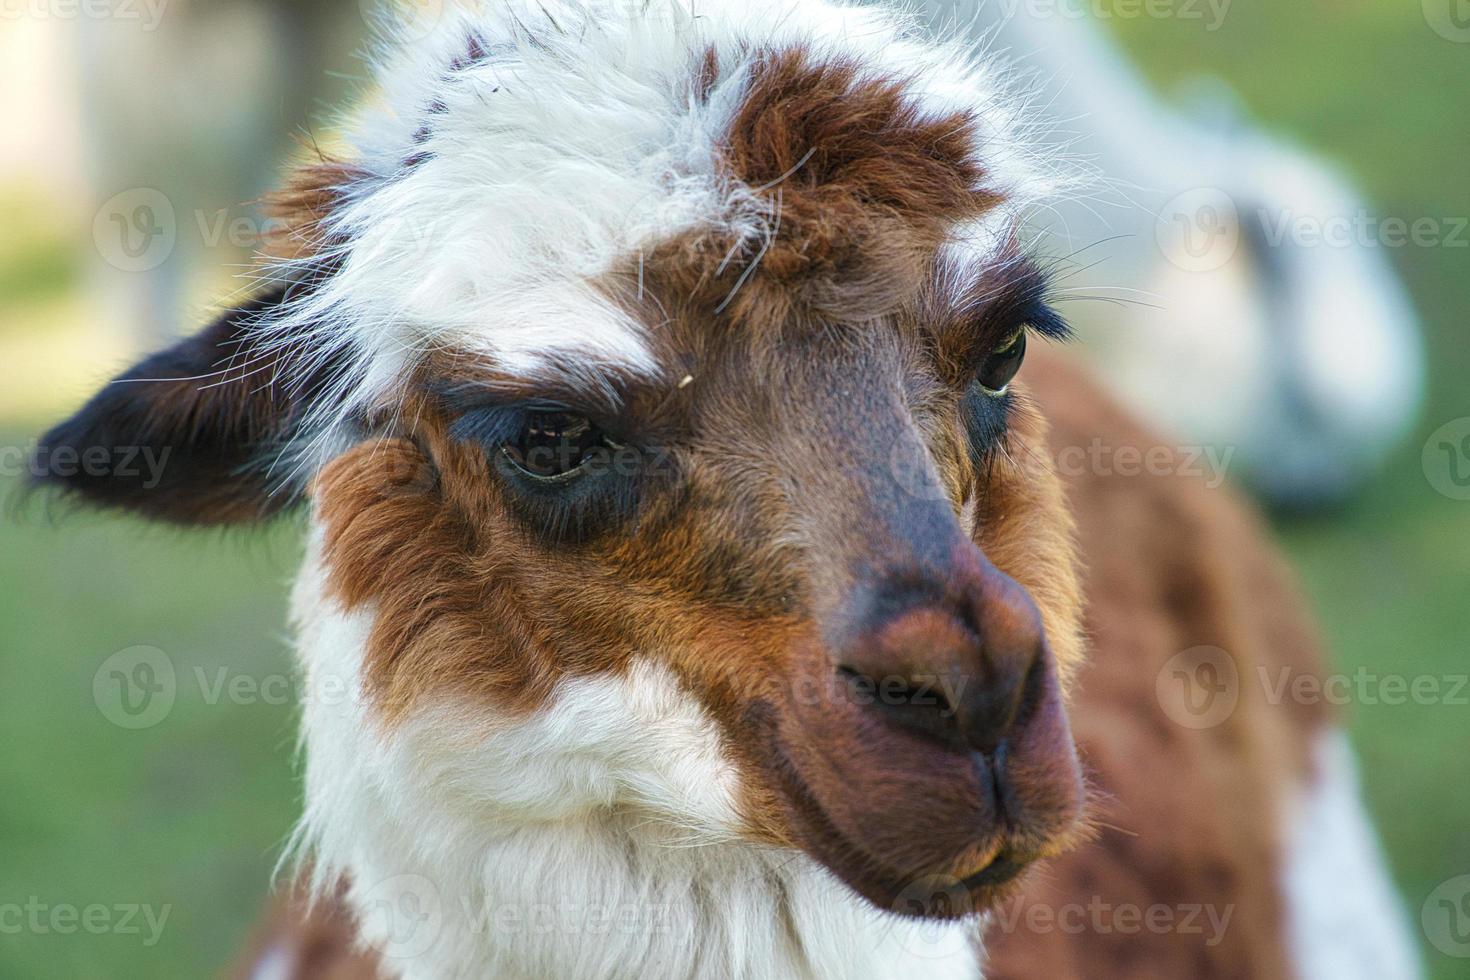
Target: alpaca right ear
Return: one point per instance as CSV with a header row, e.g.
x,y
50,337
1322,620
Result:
x,y
188,434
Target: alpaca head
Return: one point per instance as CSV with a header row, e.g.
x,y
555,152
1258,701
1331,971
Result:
x,y
648,378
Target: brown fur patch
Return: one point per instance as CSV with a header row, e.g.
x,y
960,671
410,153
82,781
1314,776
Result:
x,y
299,939
295,214
861,184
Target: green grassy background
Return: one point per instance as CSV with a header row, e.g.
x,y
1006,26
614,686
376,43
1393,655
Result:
x,y
191,813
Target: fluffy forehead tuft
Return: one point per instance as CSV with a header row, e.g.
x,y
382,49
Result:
x,y
523,149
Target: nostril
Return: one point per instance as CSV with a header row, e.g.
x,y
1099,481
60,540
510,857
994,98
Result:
x,y
969,706
915,701
1003,702
962,661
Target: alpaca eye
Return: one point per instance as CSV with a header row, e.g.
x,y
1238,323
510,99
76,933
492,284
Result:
x,y
554,444
1002,364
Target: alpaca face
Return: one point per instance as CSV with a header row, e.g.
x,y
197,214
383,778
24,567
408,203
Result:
x,y
808,536
663,347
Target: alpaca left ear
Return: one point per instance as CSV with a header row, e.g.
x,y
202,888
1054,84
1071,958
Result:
x,y
188,434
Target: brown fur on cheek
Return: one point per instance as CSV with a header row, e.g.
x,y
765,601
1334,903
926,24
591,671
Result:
x,y
467,607
444,617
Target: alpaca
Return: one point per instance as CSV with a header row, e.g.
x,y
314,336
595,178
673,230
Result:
x,y
695,584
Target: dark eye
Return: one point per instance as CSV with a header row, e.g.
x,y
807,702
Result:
x,y
1002,364
554,445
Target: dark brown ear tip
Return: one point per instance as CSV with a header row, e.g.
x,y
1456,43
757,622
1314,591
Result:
x,y
175,438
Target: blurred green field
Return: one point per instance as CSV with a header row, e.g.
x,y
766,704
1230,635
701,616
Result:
x,y
190,813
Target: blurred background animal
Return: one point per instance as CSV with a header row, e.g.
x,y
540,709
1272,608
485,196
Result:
x,y
1198,287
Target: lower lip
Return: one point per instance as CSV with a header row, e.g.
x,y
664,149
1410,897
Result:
x,y
997,872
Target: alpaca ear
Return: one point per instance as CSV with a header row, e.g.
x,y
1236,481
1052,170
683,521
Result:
x,y
188,434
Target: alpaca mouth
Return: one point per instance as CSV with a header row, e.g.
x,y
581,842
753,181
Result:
x,y
960,860
934,895
918,825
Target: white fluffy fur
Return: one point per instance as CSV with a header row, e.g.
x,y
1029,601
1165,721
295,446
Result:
x,y
572,146
597,838
1345,920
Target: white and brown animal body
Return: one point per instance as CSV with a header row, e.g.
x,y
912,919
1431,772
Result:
x,y
688,554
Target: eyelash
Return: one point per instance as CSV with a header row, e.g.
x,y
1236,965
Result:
x,y
569,508
984,411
